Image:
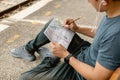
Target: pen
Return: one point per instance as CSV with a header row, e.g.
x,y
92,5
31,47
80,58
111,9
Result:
x,y
74,20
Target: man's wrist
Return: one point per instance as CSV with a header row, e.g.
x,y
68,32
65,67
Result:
x,y
77,30
67,58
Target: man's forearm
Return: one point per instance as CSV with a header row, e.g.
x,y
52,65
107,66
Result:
x,y
86,31
82,68
89,72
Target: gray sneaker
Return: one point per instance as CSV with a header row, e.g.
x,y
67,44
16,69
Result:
x,y
21,52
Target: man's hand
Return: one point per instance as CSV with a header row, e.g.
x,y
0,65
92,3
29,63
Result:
x,y
72,26
58,50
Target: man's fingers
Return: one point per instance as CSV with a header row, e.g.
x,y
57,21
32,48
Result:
x,y
53,44
66,26
67,21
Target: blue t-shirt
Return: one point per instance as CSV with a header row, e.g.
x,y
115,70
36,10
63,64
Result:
x,y
106,45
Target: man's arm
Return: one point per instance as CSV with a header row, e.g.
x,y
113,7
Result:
x,y
90,73
88,31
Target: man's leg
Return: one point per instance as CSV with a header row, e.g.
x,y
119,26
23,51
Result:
x,y
39,41
27,51
39,72
45,71
48,70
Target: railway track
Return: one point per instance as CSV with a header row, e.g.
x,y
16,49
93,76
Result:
x,y
7,6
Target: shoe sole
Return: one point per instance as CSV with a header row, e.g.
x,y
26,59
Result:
x,y
14,55
20,57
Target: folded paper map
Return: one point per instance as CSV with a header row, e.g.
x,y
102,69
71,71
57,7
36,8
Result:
x,y
57,33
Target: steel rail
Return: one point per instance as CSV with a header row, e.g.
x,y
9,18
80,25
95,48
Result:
x,y
14,7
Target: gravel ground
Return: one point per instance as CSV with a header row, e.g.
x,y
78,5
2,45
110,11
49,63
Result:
x,y
11,68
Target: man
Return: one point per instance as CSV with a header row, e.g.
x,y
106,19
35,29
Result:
x,y
83,60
